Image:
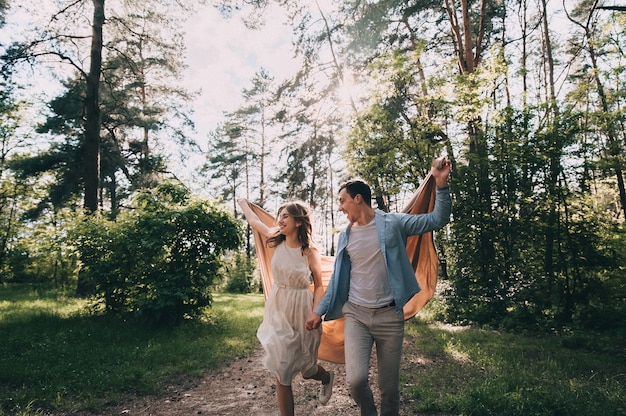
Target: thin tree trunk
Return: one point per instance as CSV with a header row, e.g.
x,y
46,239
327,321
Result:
x,y
262,159
554,163
92,113
524,55
549,58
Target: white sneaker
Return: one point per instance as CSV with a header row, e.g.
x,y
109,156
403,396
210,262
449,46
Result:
x,y
327,389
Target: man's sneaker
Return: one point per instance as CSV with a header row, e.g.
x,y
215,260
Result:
x,y
327,389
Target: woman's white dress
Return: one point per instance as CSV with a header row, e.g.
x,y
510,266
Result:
x,y
289,347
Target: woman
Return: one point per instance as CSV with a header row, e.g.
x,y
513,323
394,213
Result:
x,y
289,347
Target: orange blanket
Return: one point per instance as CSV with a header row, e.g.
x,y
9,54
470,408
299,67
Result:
x,y
421,250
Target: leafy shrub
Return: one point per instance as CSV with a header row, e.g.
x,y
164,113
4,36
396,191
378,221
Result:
x,y
39,253
158,262
240,275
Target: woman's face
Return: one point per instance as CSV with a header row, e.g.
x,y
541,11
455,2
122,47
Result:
x,y
287,223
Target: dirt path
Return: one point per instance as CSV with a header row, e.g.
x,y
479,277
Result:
x,y
243,388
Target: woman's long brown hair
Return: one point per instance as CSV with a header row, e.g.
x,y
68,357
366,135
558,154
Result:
x,y
300,213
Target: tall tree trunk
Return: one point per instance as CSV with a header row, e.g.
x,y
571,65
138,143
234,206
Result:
x,y
331,199
554,162
91,149
147,170
549,58
262,159
524,6
92,112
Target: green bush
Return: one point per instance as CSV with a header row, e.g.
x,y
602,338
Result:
x,y
38,254
240,275
158,262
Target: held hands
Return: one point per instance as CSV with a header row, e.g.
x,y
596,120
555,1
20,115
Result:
x,y
313,321
441,170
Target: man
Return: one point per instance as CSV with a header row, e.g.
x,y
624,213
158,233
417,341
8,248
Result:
x,y
371,282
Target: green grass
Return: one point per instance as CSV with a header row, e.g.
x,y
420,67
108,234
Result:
x,y
467,371
52,355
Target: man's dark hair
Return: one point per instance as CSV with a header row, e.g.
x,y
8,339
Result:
x,y
358,187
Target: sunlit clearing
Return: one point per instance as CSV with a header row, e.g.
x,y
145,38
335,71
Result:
x,y
456,354
449,328
10,310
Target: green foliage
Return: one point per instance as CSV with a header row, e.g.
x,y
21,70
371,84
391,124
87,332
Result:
x,y
227,162
59,169
37,251
305,173
41,257
9,188
158,262
395,139
239,275
376,144
534,255
55,358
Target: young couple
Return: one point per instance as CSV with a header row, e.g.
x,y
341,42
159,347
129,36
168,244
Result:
x,y
372,280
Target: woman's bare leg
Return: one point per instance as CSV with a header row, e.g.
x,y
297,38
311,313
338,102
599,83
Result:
x,y
284,394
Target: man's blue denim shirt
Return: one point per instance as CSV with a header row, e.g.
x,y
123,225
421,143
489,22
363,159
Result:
x,y
393,230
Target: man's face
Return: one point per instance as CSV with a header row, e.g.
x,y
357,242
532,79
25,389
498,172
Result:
x,y
348,205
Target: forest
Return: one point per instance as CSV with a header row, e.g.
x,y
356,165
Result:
x,y
525,97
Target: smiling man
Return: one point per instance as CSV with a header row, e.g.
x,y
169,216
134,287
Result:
x,y
372,280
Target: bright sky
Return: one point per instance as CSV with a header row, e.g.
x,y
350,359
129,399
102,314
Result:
x,y
223,56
